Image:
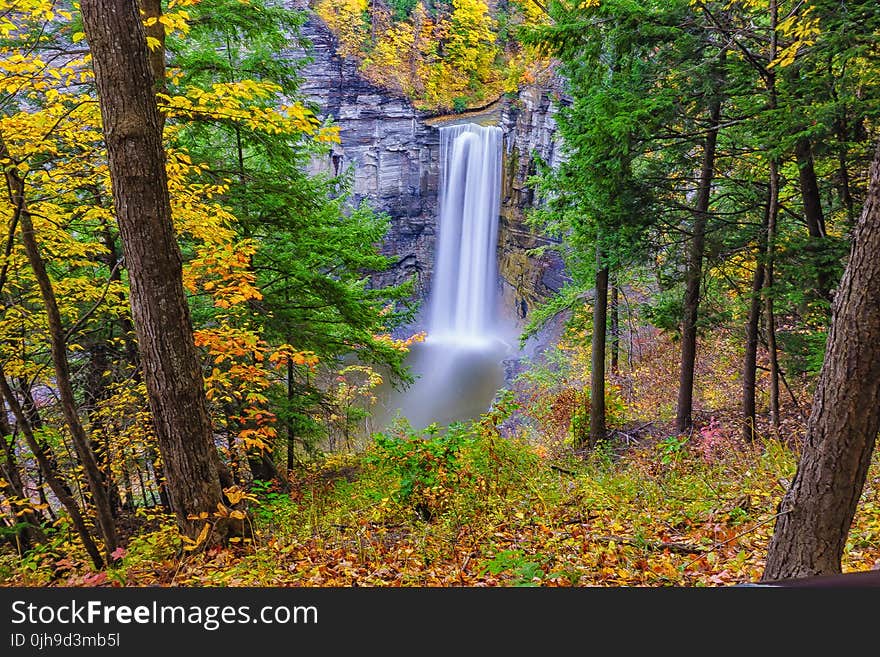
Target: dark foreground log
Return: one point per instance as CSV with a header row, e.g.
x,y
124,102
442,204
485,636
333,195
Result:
x,y
859,580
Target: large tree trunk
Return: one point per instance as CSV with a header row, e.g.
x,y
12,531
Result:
x,y
597,376
684,413
170,363
817,511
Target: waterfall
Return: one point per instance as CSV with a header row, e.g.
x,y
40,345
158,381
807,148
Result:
x,y
459,368
463,292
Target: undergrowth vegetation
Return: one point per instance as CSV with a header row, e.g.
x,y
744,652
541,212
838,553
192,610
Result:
x,y
489,503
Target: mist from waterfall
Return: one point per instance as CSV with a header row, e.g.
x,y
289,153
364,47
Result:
x,y
459,367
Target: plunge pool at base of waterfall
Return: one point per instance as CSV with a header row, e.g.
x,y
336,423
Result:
x,y
456,380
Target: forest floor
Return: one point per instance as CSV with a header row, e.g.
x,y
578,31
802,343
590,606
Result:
x,y
489,504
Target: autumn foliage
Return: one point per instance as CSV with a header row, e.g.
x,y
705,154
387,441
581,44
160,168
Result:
x,y
450,57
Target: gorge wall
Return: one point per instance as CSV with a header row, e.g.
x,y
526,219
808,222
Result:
x,y
393,156
392,150
529,130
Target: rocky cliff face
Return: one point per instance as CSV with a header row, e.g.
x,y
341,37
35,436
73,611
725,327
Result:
x,y
392,152
529,131
392,155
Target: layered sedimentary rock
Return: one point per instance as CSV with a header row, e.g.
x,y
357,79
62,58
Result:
x,y
391,154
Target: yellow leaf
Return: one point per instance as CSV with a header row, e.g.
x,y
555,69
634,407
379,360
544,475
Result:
x,y
200,539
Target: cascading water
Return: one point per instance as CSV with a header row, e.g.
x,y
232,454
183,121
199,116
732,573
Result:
x,y
463,294
458,368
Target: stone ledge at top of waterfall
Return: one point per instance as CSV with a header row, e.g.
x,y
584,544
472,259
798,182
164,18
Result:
x,y
488,114
464,299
